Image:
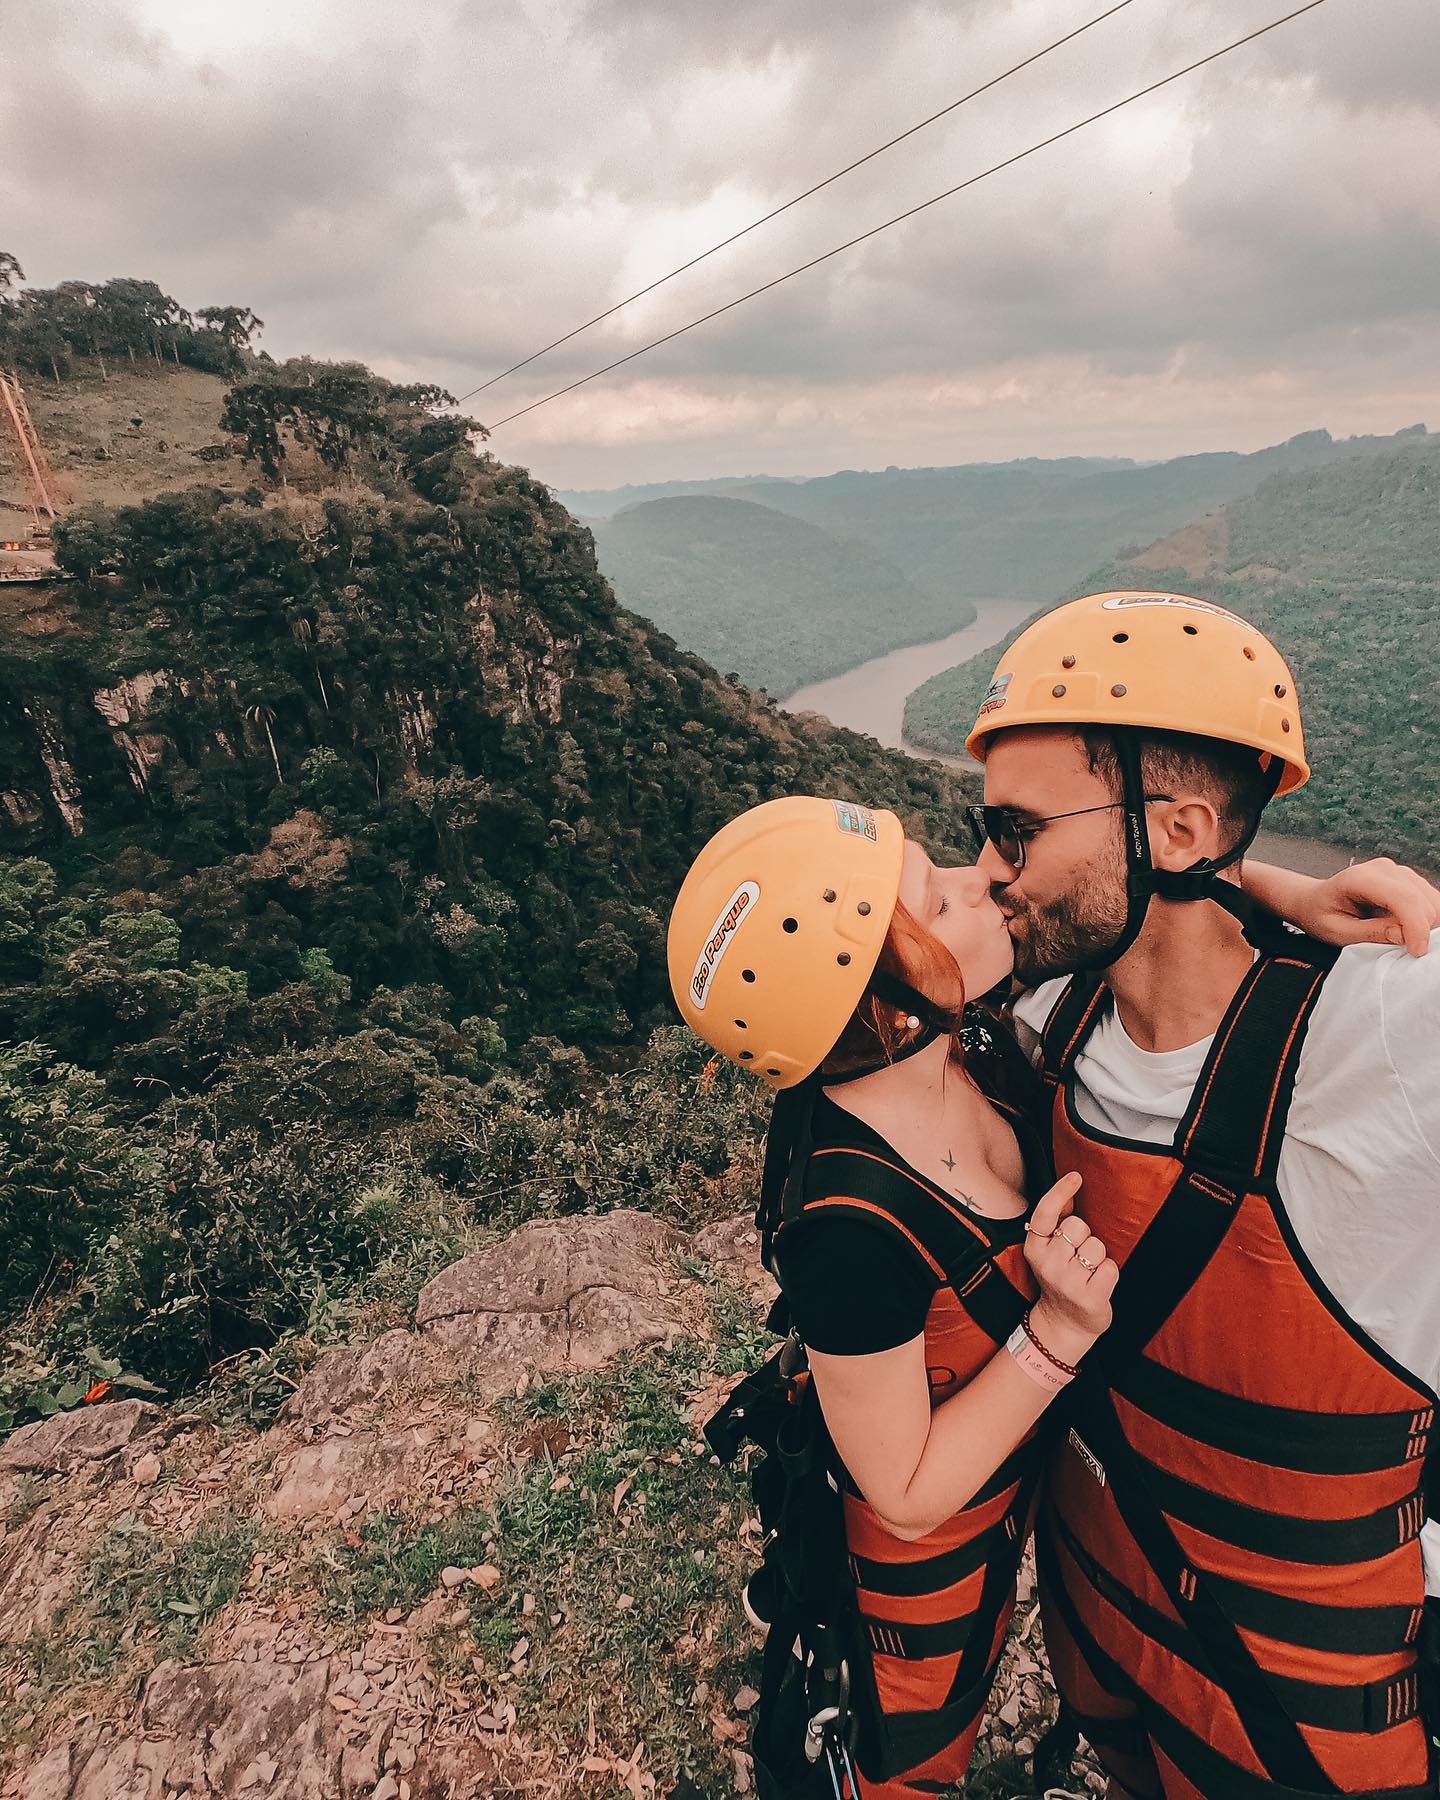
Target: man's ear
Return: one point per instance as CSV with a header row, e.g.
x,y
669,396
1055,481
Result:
x,y
1183,831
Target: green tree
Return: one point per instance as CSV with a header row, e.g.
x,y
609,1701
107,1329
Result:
x,y
235,325
68,1166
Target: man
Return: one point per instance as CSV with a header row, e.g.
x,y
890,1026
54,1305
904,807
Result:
x,y
1231,1549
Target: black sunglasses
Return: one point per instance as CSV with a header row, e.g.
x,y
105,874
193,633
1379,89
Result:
x,y
1010,831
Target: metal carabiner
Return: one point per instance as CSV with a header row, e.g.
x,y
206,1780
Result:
x,y
815,1732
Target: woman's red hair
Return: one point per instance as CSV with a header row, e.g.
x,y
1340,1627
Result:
x,y
877,1031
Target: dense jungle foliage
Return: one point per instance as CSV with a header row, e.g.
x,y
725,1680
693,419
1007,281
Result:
x,y
353,947
1341,566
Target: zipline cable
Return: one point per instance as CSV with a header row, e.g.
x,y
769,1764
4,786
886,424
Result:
x,y
910,213
775,212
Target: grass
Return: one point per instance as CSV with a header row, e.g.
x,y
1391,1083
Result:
x,y
393,1562
619,1547
142,1597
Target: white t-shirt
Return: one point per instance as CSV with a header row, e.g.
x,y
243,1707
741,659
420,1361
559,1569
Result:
x,y
1360,1166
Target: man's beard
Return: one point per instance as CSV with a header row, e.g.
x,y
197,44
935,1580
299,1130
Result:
x,y
1067,934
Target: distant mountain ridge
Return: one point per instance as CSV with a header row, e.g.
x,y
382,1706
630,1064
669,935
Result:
x,y
1341,565
751,588
954,535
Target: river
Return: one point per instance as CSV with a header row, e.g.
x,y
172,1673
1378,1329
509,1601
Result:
x,y
871,699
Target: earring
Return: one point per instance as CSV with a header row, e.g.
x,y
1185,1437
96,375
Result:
x,y
912,1023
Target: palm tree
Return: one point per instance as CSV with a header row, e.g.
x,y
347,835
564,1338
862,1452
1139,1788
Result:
x,y
263,715
303,632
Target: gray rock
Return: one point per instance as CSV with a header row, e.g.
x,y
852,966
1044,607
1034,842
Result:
x,y
732,1248
64,1442
558,1293
317,1480
35,1577
350,1376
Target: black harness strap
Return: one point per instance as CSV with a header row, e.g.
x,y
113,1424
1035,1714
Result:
x,y
1289,1537
1202,1765
1361,1706
848,1172
1279,1435
1230,1126
929,1574
1229,1141
1069,1024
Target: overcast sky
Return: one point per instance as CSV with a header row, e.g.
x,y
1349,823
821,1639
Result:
x,y
439,188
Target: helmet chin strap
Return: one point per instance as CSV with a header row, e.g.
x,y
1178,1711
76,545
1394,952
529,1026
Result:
x,y
1201,881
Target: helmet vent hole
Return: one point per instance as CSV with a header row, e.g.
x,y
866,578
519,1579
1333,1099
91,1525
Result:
x,y
1249,654
742,1025
843,959
1121,637
772,1071
828,896
747,1056
747,974
791,925
1191,630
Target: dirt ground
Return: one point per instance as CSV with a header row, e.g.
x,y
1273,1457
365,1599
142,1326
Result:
x,y
84,416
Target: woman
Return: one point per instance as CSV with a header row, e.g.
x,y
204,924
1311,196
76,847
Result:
x,y
944,1291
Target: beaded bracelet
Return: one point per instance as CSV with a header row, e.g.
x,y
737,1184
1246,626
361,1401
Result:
x,y
1049,1355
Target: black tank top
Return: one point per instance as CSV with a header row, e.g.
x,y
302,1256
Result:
x,y
854,1290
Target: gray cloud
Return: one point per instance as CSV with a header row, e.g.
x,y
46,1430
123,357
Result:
x,y
1244,254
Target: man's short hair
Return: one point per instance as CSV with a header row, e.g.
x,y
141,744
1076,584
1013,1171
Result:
x,y
1229,776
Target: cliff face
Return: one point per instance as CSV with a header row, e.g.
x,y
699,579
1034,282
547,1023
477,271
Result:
x,y
520,770
93,756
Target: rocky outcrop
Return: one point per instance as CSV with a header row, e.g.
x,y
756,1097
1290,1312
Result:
x,y
122,707
356,1373
560,1293
279,1704
65,1442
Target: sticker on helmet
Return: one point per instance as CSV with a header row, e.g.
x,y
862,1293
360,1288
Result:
x,y
996,694
719,939
1125,603
858,819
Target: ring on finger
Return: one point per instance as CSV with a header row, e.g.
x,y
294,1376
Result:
x,y
1085,1261
1074,1243
1039,1234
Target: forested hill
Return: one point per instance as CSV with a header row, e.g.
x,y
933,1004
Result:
x,y
979,531
752,589
1341,565
342,809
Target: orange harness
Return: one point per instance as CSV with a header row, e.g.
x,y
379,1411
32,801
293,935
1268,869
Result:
x,y
933,1612
1229,1553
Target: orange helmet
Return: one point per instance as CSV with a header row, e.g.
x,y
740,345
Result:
x,y
1153,661
777,929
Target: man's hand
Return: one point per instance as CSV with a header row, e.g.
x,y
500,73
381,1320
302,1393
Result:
x,y
1377,902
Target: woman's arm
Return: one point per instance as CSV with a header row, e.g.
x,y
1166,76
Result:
x,y
916,1466
1377,902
